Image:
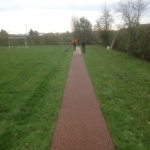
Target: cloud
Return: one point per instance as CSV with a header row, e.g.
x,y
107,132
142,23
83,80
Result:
x,y
48,15
72,5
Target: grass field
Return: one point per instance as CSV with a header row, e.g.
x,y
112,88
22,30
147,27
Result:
x,y
122,85
31,87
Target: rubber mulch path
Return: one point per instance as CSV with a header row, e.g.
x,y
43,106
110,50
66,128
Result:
x,y
80,124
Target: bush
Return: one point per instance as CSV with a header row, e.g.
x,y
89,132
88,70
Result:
x,y
4,40
135,41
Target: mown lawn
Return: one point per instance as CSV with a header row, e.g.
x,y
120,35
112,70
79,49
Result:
x,y
31,87
122,85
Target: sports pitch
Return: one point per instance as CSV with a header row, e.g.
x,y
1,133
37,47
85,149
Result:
x,y
32,81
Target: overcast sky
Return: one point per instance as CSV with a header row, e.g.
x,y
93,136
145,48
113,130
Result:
x,y
49,15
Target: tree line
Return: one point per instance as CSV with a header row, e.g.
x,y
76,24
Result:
x,y
132,37
36,38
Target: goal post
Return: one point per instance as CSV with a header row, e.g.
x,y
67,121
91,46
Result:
x,y
17,41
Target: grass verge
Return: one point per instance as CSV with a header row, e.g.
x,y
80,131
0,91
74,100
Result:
x,y
31,87
122,85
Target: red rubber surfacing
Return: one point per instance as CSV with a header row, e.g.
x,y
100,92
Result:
x,y
80,124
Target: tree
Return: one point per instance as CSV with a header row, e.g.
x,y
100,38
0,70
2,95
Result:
x,y
105,20
36,33
3,33
82,29
97,26
104,24
74,24
131,12
31,32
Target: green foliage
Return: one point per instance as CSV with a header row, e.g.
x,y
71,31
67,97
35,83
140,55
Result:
x,y
31,32
3,33
104,35
3,40
122,41
45,39
83,30
107,37
65,38
32,82
134,41
49,39
122,84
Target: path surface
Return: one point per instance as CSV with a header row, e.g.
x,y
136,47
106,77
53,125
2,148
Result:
x,y
80,124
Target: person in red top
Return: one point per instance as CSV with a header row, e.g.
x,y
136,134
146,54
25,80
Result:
x,y
74,43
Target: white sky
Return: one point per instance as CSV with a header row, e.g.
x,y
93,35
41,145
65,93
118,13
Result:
x,y
49,15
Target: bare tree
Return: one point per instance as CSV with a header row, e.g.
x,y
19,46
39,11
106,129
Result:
x,y
74,25
97,26
74,22
132,11
104,24
105,18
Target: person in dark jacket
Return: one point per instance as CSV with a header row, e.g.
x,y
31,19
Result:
x,y
83,46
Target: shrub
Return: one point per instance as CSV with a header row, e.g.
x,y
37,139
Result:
x,y
135,41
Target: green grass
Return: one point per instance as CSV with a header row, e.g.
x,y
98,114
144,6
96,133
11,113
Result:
x,y
122,85
31,87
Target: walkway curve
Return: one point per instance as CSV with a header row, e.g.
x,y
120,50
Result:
x,y
80,124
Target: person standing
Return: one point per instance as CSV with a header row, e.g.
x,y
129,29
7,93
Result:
x,y
74,42
83,46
